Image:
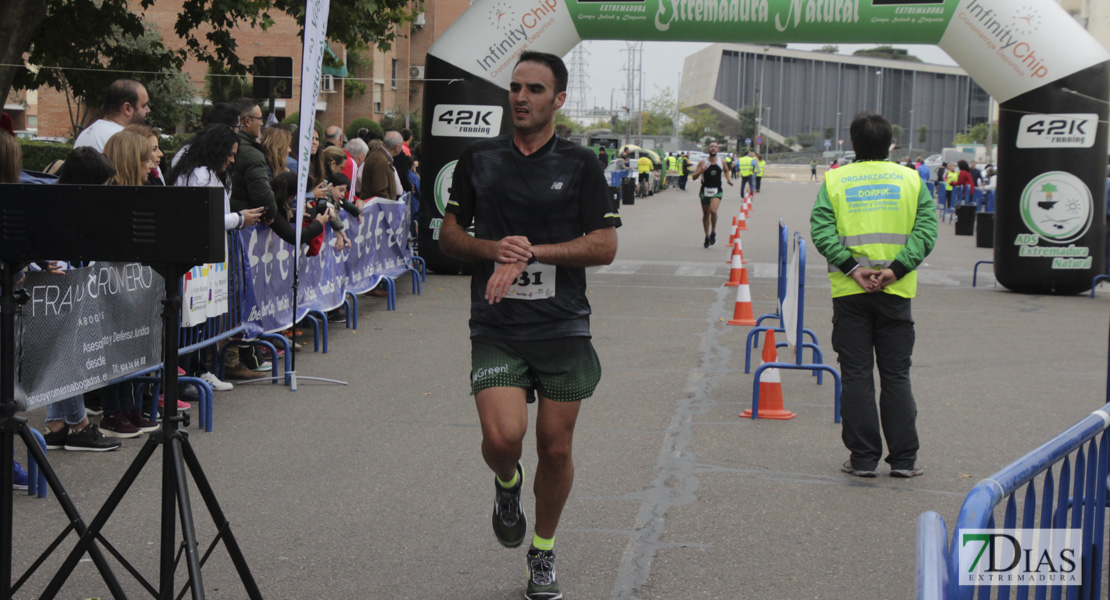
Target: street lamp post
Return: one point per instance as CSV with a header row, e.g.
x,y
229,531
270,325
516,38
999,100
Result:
x,y
879,91
759,100
676,102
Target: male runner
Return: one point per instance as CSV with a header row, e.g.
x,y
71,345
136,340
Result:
x,y
711,191
540,208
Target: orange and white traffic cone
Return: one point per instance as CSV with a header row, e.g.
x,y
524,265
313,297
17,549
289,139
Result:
x,y
741,222
732,232
737,248
770,386
742,314
738,275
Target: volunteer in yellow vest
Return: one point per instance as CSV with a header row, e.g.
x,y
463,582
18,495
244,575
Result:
x,y
747,172
644,167
672,168
760,165
874,223
951,176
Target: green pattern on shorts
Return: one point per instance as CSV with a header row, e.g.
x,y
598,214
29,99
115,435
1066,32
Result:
x,y
563,377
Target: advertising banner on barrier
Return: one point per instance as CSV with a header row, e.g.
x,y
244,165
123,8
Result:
x,y
87,327
379,246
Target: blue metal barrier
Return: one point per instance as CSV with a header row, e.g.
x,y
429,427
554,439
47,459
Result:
x,y
818,365
1072,471
975,271
753,338
931,559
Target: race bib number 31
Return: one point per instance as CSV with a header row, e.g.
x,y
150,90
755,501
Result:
x,y
537,282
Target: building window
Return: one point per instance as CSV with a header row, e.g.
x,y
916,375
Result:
x,y
393,75
379,91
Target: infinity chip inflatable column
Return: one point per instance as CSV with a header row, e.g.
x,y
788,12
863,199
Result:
x,y
1051,76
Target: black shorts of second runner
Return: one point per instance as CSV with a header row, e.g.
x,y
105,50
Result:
x,y
645,176
562,369
706,200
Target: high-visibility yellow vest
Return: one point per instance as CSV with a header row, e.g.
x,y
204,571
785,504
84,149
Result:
x,y
644,165
875,203
746,166
950,179
672,163
759,169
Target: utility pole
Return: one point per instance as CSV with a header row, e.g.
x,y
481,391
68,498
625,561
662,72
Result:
x,y
640,110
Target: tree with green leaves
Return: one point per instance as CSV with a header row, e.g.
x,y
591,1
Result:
x,y
660,113
976,135
703,123
899,131
81,46
923,135
888,52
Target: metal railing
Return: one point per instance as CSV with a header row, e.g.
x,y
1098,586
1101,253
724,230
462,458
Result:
x,y
1060,485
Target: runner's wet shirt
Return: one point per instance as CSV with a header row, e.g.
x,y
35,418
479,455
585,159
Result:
x,y
711,180
555,195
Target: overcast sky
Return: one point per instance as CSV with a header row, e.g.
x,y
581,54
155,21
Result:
x,y
663,61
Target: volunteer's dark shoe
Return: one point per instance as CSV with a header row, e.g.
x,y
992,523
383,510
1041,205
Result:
x,y
849,469
913,471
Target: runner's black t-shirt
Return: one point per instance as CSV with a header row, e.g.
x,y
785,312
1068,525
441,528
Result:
x,y
711,177
555,195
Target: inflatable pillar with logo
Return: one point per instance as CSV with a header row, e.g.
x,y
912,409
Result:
x,y
1050,76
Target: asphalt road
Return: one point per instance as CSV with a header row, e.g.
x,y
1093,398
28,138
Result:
x,y
377,489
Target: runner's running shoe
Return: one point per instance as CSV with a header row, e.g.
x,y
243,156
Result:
x,y
509,522
541,576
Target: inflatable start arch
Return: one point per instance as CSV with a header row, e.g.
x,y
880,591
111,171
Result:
x,y
1050,76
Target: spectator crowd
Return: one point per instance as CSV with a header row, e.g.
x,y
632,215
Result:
x,y
255,166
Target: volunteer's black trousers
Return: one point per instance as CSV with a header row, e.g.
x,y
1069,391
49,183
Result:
x,y
870,328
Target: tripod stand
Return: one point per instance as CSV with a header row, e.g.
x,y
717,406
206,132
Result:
x,y
177,455
11,426
173,227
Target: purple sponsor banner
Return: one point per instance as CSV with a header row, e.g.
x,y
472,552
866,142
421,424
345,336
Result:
x,y
379,247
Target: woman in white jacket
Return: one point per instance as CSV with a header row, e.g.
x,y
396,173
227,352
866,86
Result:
x,y
206,162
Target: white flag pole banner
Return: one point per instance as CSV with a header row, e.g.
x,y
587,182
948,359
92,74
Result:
x,y
312,60
790,306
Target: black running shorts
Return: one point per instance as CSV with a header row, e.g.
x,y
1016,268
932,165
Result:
x,y
562,369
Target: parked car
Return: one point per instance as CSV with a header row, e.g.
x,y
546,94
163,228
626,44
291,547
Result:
x,y
848,158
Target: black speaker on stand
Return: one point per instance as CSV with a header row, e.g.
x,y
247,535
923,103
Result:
x,y
172,229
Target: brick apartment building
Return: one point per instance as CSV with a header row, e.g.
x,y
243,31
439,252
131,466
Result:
x,y
393,79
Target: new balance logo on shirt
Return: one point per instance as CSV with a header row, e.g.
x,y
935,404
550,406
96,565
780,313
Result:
x,y
558,185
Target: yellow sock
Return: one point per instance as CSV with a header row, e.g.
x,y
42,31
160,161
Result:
x,y
510,483
540,543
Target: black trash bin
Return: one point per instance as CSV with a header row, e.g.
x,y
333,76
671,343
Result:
x,y
615,197
984,230
965,219
628,190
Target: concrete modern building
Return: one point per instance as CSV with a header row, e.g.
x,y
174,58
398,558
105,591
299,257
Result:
x,y
805,92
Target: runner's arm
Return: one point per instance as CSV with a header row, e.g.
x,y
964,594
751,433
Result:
x,y
598,247
456,242
698,170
